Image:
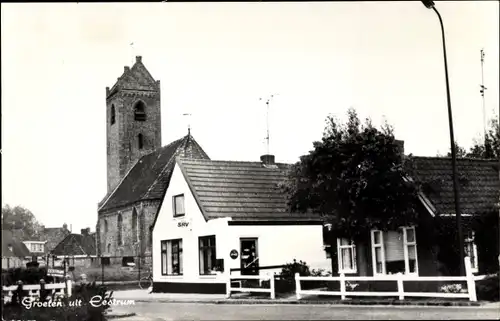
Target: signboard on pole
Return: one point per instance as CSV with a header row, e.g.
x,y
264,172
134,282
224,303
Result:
x,y
55,272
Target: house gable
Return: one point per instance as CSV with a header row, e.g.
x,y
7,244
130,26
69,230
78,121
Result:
x,y
178,186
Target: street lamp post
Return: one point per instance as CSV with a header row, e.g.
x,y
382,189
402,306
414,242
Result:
x,y
456,192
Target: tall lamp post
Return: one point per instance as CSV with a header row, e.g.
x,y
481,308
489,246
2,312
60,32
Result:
x,y
456,192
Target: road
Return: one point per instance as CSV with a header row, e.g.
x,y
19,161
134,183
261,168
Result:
x,y
155,311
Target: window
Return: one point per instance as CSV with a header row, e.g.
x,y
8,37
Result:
x,y
471,250
105,261
171,257
378,252
105,226
134,225
120,225
179,205
346,250
140,141
109,248
394,251
113,115
139,111
207,255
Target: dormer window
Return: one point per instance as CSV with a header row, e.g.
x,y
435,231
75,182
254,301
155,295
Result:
x,y
113,115
179,205
140,111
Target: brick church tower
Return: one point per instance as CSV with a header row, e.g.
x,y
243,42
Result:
x,y
133,121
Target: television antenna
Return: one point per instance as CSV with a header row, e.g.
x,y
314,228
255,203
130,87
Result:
x,y
268,100
482,90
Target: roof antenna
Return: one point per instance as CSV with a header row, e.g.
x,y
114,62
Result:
x,y
268,100
189,123
482,90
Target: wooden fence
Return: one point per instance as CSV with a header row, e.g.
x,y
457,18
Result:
x,y
237,279
399,278
33,290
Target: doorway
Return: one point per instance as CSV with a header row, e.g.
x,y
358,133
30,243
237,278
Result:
x,y
249,258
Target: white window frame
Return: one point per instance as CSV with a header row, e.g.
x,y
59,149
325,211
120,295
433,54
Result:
x,y
352,247
470,239
374,247
406,244
174,204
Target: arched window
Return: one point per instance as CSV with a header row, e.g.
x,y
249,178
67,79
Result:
x,y
134,225
120,225
109,248
140,111
105,226
113,114
140,141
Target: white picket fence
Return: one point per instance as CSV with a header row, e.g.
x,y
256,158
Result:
x,y
232,279
399,278
55,289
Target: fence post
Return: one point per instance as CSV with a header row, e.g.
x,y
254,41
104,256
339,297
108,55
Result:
x,y
297,286
68,287
228,287
471,283
43,292
271,285
401,290
342,286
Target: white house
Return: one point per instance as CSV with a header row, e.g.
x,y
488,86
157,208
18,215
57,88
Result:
x,y
223,215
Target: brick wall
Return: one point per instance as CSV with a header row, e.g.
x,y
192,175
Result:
x,y
146,209
122,144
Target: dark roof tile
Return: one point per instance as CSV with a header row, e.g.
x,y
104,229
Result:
x,y
478,179
240,190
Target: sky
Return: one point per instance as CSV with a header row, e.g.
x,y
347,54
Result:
x,y
215,60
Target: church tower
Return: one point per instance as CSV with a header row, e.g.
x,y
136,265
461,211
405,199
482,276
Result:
x,y
133,120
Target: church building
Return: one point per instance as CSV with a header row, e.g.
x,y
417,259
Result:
x,y
138,166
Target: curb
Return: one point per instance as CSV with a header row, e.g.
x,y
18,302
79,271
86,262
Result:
x,y
315,302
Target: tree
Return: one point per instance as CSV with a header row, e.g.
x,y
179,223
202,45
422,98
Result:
x,y
490,147
461,152
20,219
355,177
487,148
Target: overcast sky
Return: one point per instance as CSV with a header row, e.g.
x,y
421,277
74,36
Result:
x,y
215,60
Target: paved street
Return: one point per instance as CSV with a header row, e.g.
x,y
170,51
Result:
x,y
155,311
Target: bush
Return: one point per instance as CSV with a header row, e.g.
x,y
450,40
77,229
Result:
x,y
64,311
488,289
289,270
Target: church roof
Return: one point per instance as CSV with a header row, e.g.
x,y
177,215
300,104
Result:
x,y
149,178
244,191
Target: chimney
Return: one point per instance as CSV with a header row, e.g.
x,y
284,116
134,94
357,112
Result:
x,y
138,58
65,226
401,146
267,159
85,231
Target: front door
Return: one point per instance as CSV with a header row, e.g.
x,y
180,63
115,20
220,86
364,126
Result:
x,y
249,258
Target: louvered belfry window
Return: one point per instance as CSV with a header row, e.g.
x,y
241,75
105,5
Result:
x,y
140,111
